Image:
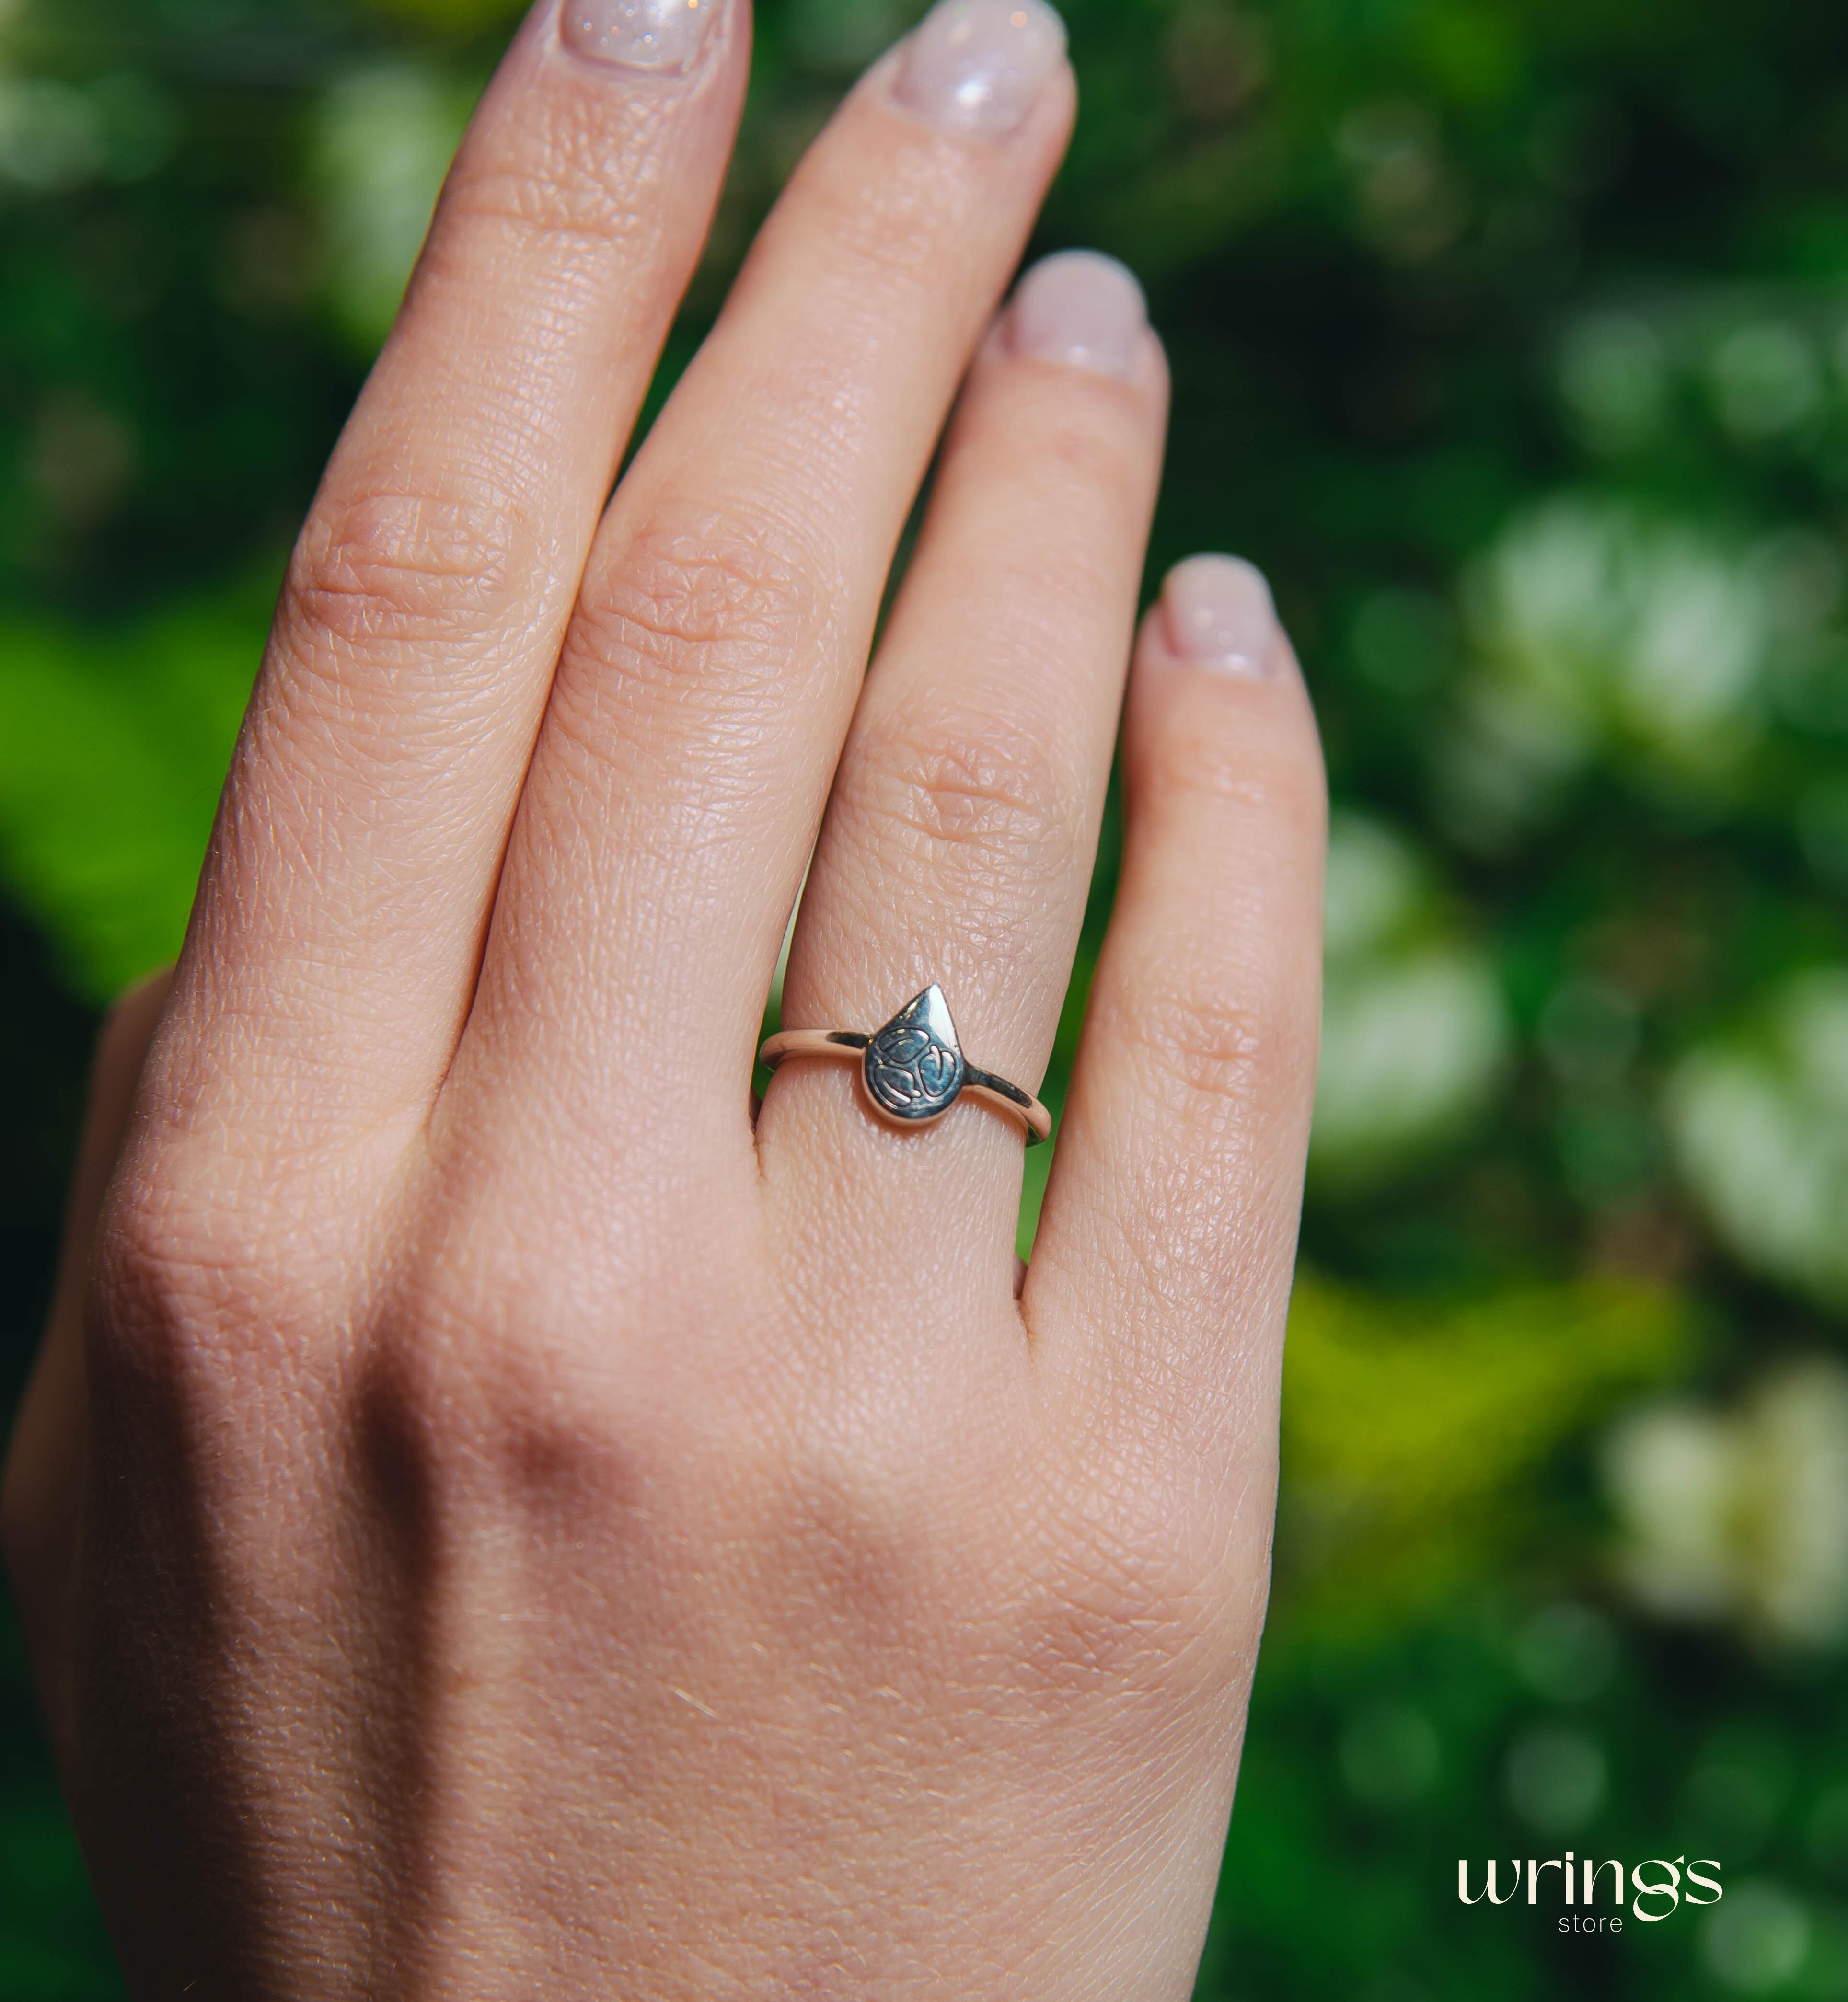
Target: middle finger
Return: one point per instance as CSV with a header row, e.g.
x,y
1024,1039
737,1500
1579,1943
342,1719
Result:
x,y
720,641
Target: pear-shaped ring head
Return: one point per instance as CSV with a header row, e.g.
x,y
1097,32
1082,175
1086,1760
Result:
x,y
914,1067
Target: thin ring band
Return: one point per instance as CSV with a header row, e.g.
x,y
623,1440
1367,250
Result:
x,y
914,1070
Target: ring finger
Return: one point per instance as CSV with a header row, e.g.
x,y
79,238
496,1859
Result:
x,y
959,843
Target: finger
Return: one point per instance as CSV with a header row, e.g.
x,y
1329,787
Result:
x,y
43,1475
960,842
351,876
1161,1270
708,680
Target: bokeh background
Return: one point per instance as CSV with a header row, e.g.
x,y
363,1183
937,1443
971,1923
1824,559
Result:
x,y
1512,339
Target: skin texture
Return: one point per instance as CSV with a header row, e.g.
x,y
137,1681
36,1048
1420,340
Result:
x,y
526,1531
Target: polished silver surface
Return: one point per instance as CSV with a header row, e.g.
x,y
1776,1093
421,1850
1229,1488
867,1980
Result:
x,y
914,1070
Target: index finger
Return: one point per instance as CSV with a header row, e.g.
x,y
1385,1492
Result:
x,y
353,867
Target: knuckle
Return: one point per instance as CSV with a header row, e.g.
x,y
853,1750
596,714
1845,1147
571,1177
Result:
x,y
446,1423
1098,447
970,794
702,608
561,172
1140,1582
171,1262
380,573
560,195
1191,1046
212,1265
843,1539
1281,782
488,1358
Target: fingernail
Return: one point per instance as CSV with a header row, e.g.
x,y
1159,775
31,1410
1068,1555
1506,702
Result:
x,y
976,66
661,35
1081,308
1219,612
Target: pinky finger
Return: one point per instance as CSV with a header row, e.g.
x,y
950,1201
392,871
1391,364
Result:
x,y
1162,1273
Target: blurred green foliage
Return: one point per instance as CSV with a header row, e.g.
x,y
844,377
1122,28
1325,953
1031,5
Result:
x,y
1513,340
1410,1429
110,770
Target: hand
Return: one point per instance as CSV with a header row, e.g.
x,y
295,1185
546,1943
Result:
x,y
527,1533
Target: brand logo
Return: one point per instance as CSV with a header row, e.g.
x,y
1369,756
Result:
x,y
1656,1889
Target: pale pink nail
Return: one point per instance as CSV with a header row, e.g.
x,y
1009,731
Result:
x,y
976,66
662,35
1080,308
1219,612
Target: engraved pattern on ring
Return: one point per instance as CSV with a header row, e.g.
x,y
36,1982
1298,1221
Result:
x,y
914,1067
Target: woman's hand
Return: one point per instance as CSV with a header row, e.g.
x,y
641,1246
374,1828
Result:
x,y
531,1534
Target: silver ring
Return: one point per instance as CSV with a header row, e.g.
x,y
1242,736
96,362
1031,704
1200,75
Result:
x,y
914,1070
